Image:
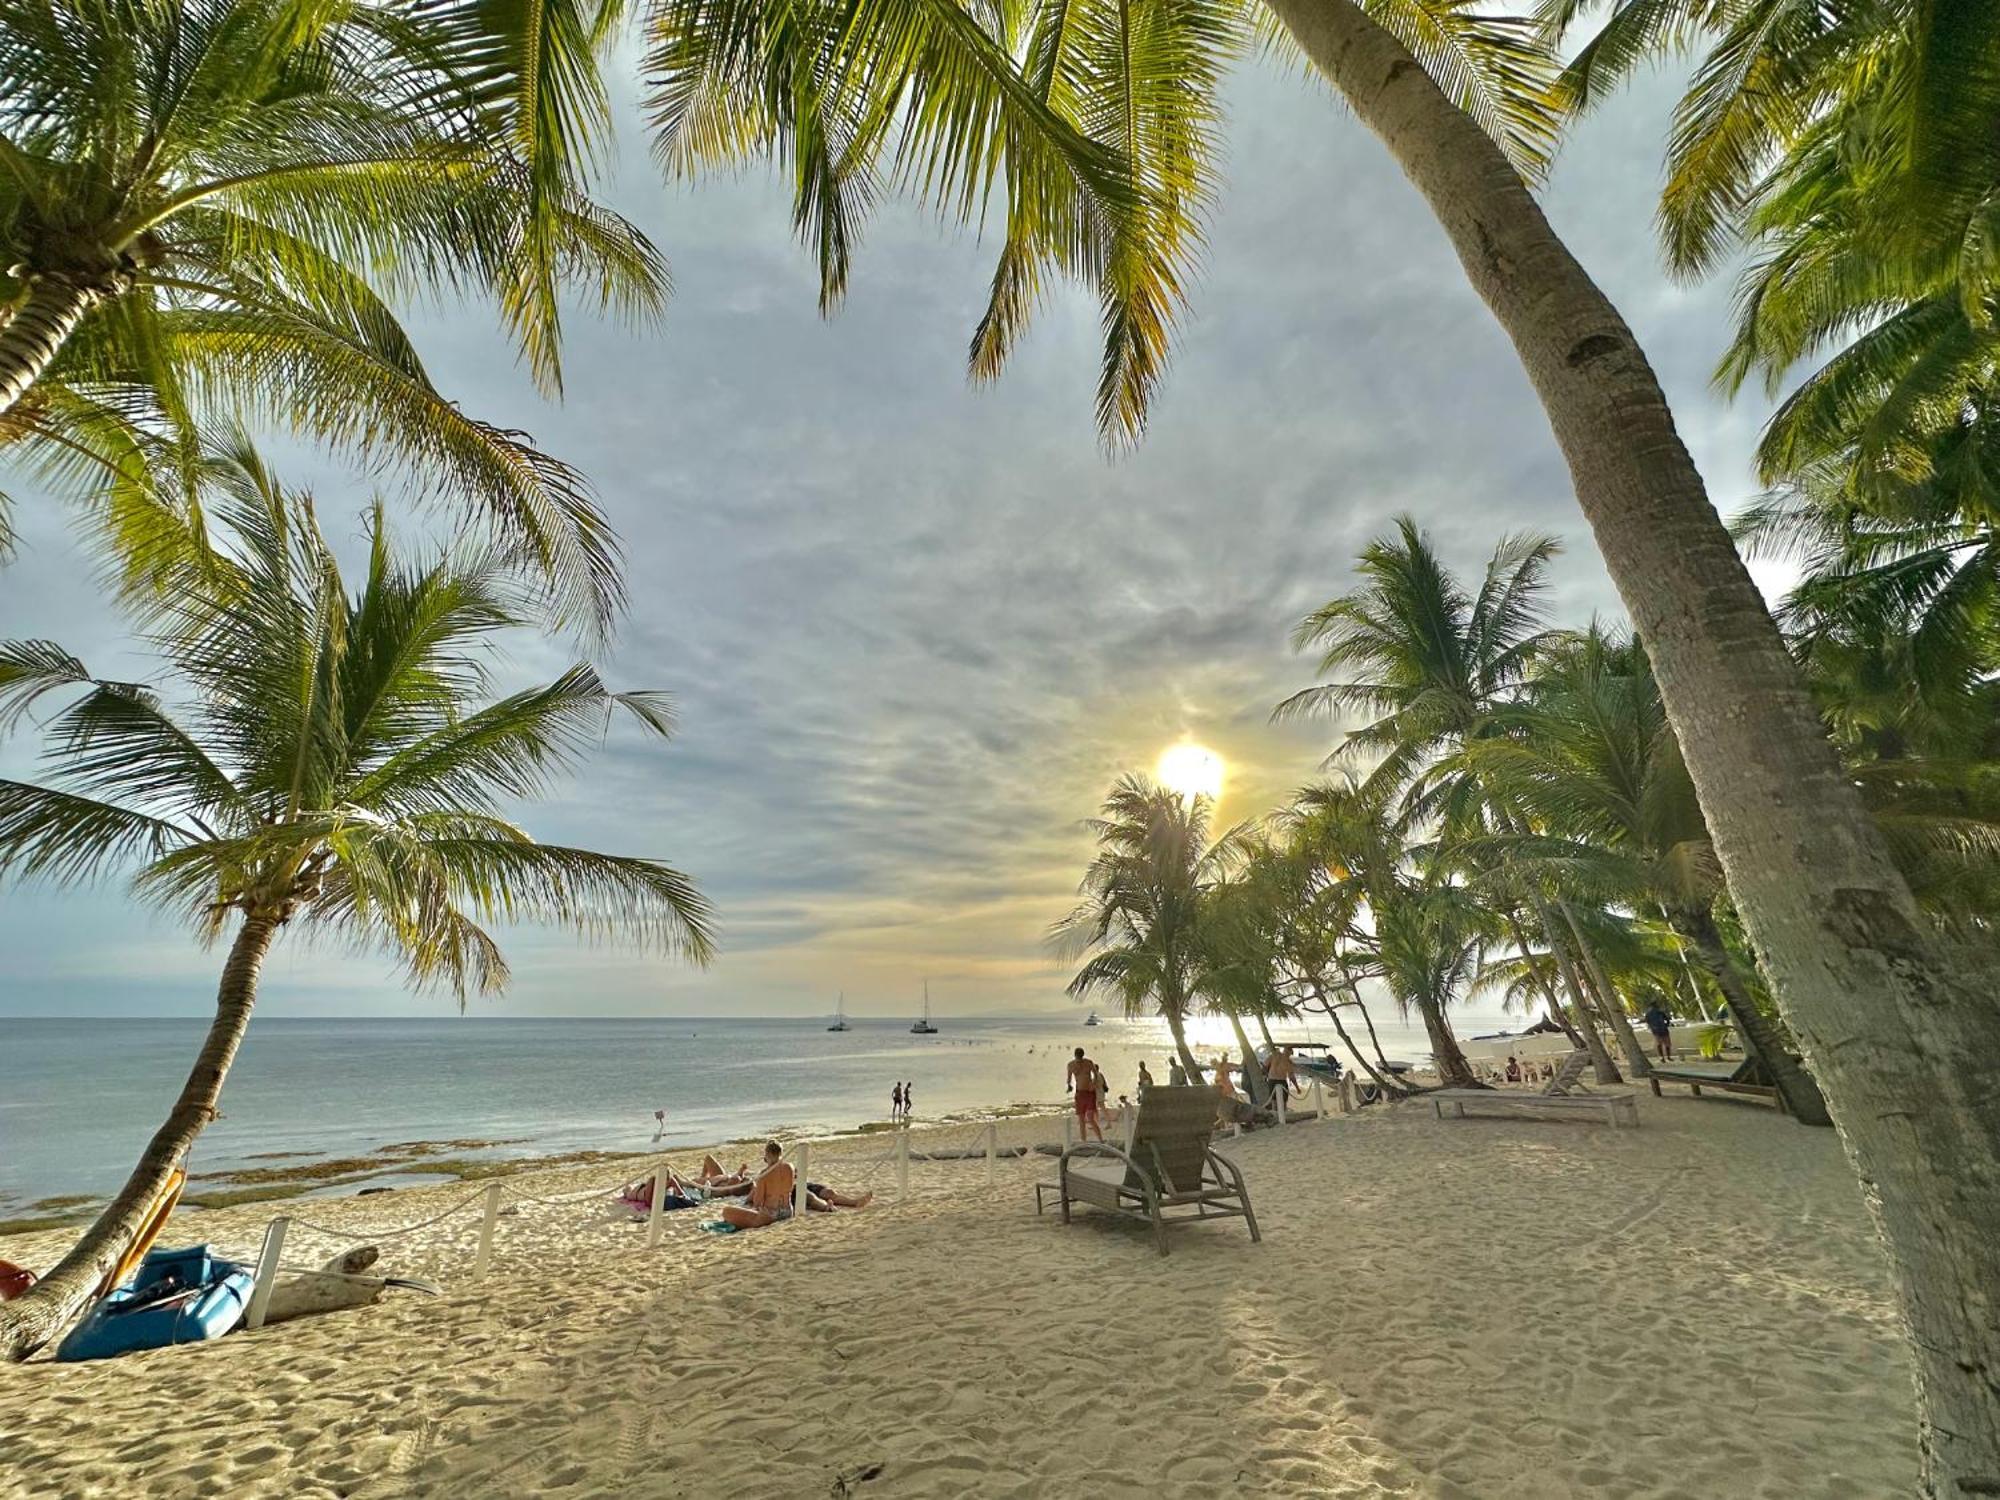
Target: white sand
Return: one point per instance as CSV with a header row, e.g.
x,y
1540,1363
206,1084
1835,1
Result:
x,y
1479,1309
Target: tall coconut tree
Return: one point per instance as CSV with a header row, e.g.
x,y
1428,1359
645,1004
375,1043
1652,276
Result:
x,y
316,761
1612,815
1138,926
1428,664
208,209
854,96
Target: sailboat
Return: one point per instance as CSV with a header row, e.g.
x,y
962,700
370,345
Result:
x,y
923,1026
839,1013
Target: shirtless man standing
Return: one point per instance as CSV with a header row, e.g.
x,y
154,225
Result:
x,y
1087,1083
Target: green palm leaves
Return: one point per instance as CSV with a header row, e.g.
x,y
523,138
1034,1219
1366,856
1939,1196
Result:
x,y
322,759
1095,123
207,209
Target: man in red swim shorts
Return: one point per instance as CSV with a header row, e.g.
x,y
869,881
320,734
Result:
x,y
1087,1083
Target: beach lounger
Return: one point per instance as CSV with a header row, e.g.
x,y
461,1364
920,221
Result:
x,y
1564,1094
1750,1077
1169,1173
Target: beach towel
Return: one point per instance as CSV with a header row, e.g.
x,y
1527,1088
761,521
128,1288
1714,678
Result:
x,y
720,1226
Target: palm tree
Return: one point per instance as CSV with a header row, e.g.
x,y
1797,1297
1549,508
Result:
x,y
208,206
1430,936
1143,904
1433,664
1591,760
1098,120
322,766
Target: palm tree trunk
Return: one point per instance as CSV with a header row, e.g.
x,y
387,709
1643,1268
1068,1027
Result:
x,y
1354,999
1802,1095
35,329
1178,1027
1608,1001
1454,1072
1253,1075
39,1314
1586,1013
1549,991
1385,1080
1902,1034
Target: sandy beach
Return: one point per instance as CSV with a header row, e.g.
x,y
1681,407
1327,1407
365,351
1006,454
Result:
x,y
1479,1309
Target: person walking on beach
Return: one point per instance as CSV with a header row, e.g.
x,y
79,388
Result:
x,y
1661,1025
1087,1083
896,1103
1283,1072
909,1099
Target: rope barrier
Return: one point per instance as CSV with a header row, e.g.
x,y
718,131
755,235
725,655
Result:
x,y
387,1234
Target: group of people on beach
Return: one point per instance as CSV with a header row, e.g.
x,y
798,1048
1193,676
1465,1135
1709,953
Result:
x,y
899,1103
1086,1083
745,1200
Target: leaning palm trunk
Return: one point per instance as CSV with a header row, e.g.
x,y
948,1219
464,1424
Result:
x,y
1253,1073
1385,1080
1588,1021
1801,1094
1608,1001
1904,1043
1454,1072
36,327
1354,999
37,1316
1177,1027
1585,1036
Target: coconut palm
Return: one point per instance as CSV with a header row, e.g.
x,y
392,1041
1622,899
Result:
x,y
1590,759
1143,904
857,96
318,761
209,206
1432,664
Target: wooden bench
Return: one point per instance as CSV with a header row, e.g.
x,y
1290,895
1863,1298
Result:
x,y
1614,1108
1726,1083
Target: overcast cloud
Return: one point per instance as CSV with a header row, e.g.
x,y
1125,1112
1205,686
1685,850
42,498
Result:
x,y
917,628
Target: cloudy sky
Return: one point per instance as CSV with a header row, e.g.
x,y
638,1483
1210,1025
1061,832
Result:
x,y
917,628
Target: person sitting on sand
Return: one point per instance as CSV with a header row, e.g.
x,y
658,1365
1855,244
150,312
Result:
x,y
1513,1068
770,1198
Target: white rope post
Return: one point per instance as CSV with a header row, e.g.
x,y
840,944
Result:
x,y
267,1271
487,1223
656,1217
1125,1124
799,1193
903,1163
1319,1100
992,1150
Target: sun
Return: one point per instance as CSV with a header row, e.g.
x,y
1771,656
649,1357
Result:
x,y
1190,770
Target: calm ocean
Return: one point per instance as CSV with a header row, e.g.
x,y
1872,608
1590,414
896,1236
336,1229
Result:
x,y
78,1099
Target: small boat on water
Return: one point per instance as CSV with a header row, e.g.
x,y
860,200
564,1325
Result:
x,y
1091,1020
175,1297
923,1026
839,1013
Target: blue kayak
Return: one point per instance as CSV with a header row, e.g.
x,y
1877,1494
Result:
x,y
175,1297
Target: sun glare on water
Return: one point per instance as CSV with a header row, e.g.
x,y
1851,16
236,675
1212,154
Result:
x,y
1191,770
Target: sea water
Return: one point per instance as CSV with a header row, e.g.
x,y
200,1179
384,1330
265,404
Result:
x,y
79,1099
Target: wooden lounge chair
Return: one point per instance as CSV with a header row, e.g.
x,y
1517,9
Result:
x,y
1564,1094
1169,1166
1751,1076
